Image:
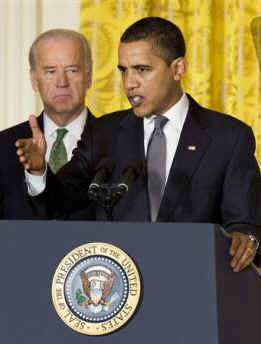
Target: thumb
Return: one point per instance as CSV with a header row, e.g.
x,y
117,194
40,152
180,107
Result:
x,y
36,131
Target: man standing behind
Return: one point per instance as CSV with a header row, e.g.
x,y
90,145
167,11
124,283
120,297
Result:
x,y
61,71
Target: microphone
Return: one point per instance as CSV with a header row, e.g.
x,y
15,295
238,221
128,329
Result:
x,y
129,174
103,173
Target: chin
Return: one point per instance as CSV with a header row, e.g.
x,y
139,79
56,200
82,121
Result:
x,y
63,108
141,113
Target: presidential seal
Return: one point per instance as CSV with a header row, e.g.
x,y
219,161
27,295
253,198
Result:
x,y
96,288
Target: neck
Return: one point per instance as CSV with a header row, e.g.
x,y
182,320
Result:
x,y
63,119
178,94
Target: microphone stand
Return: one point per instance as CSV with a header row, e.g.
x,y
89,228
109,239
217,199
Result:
x,y
107,196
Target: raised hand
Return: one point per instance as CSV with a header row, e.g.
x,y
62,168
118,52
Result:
x,y
31,152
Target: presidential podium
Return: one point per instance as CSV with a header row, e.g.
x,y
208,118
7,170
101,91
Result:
x,y
189,293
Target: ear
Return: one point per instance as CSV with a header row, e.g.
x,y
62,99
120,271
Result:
x,y
34,81
179,67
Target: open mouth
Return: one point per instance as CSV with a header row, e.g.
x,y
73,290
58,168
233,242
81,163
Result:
x,y
136,100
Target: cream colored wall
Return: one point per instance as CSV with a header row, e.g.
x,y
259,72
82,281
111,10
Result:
x,y
20,22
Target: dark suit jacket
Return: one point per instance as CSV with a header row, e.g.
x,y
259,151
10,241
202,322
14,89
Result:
x,y
218,182
14,202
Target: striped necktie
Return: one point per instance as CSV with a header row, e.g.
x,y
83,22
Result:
x,y
156,165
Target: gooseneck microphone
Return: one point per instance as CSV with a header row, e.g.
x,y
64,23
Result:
x,y
129,174
103,173
106,194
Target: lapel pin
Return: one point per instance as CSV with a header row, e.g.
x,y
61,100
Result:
x,y
192,148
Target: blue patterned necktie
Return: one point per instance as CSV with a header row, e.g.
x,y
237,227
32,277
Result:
x,y
156,165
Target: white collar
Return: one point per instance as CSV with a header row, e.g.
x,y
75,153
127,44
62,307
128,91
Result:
x,y
177,113
74,128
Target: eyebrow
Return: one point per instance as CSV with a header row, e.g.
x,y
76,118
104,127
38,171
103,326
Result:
x,y
69,66
141,66
49,67
120,67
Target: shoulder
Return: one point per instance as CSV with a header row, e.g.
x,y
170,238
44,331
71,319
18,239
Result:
x,y
105,125
226,132
116,115
215,121
110,120
8,137
21,130
15,132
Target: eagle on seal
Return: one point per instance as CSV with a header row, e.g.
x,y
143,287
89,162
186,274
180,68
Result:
x,y
96,296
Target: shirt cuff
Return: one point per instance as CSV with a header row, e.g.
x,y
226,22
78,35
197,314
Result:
x,y
35,184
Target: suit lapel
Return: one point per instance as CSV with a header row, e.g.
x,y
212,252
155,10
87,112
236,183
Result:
x,y
130,149
132,137
193,144
90,116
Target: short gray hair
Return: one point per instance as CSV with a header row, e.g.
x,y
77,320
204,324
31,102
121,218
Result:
x,y
62,33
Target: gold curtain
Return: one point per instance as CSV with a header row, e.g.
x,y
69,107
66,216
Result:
x,y
223,51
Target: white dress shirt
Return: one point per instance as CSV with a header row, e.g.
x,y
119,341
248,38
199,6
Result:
x,y
71,138
172,129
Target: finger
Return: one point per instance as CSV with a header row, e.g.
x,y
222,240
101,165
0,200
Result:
x,y
245,259
238,254
21,142
26,164
36,131
234,244
20,152
27,167
23,159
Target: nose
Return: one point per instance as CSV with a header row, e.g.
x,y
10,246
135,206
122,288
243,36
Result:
x,y
62,79
130,80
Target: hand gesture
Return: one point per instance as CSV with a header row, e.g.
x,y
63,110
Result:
x,y
31,152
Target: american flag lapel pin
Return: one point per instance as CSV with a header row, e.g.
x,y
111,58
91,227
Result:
x,y
192,148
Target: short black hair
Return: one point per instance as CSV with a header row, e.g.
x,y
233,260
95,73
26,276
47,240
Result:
x,y
165,37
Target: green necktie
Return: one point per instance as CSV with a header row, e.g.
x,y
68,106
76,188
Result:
x,y
58,155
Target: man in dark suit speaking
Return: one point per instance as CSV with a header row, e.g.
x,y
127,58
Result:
x,y
199,164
